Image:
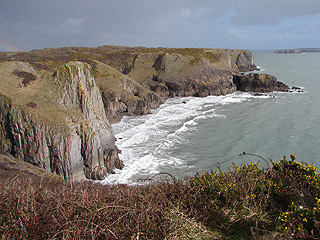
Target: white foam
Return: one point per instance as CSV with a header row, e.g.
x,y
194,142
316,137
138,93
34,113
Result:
x,y
260,68
147,142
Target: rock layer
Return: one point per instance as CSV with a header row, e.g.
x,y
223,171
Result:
x,y
81,147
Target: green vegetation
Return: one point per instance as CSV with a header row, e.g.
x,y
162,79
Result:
x,y
244,202
50,59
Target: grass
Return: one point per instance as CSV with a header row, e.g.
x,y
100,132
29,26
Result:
x,y
116,56
36,94
244,202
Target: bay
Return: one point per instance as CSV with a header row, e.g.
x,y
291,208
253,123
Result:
x,y
203,133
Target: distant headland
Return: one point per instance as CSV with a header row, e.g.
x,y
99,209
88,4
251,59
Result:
x,y
297,50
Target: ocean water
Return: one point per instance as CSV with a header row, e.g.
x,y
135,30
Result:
x,y
183,139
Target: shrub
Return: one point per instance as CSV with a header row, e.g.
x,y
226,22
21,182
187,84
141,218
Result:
x,y
250,201
244,202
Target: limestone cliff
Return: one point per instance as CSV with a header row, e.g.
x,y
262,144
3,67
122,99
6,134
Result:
x,y
65,130
245,62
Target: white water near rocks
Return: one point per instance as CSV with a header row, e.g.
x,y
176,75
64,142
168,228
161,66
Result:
x,y
189,135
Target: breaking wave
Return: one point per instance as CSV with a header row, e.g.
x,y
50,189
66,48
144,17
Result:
x,y
149,143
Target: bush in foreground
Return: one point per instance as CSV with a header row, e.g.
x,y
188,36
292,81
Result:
x,y
245,202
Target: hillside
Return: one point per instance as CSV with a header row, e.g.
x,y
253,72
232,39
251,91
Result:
x,y
245,202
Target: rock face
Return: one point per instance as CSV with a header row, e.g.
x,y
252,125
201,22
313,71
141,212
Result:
x,y
173,74
81,147
181,76
122,95
145,77
258,83
245,62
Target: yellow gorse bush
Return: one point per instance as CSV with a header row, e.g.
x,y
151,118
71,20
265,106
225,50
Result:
x,y
287,194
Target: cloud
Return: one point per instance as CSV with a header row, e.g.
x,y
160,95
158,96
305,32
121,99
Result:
x,y
273,12
177,23
71,26
185,13
238,33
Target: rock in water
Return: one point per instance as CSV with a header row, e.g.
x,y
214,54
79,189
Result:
x,y
258,83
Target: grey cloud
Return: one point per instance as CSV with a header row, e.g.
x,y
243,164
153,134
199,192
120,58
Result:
x,y
272,12
196,23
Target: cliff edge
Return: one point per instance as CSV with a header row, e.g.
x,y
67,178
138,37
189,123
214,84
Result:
x,y
64,128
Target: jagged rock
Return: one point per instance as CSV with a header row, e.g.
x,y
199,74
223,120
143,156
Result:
x,y
258,83
178,72
123,95
245,62
83,146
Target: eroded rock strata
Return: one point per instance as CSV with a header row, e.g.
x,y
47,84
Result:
x,y
78,145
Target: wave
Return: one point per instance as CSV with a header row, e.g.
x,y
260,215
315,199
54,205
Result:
x,y
149,143
260,68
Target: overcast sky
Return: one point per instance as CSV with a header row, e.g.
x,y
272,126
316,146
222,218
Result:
x,y
249,24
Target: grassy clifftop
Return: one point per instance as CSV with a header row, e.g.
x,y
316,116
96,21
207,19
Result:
x,y
132,80
245,202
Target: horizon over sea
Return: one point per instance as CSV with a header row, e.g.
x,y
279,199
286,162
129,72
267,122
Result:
x,y
183,139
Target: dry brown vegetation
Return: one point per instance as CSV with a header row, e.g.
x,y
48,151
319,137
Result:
x,y
245,202
38,208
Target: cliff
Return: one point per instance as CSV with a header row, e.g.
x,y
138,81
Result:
x,y
64,128
143,77
259,83
54,109
135,80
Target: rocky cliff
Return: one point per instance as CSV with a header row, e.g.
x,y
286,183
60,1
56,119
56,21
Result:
x,y
258,83
163,73
134,80
53,111
67,134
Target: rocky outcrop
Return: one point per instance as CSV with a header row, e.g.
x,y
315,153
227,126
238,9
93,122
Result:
x,y
245,62
258,83
178,75
80,147
122,95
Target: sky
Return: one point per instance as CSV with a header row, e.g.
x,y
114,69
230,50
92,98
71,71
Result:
x,y
242,24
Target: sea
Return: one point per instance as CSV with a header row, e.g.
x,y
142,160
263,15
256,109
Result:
x,y
191,135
